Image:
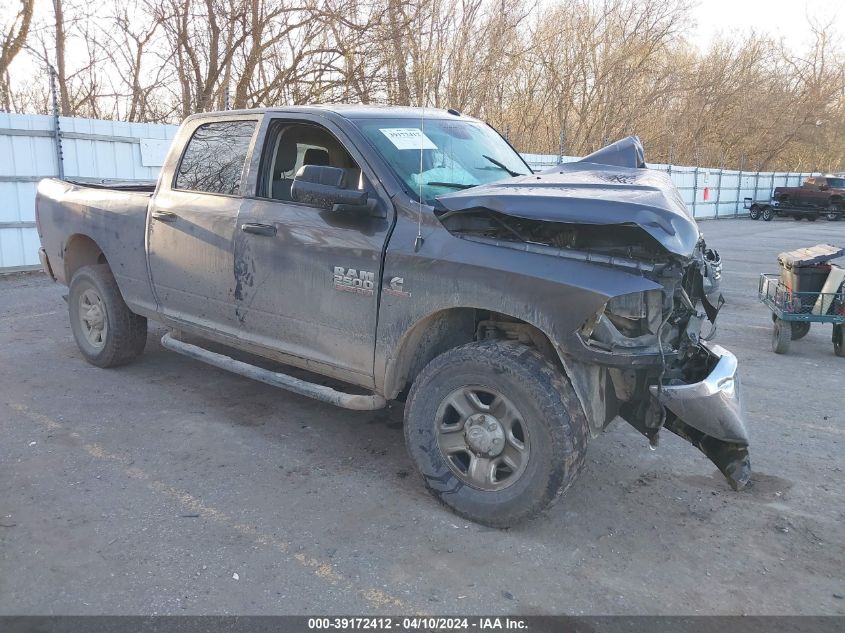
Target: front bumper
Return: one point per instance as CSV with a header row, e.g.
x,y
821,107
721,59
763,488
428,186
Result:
x,y
712,405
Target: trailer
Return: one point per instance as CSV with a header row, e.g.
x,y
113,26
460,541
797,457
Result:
x,y
767,209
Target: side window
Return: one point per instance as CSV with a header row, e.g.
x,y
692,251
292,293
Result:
x,y
214,158
298,144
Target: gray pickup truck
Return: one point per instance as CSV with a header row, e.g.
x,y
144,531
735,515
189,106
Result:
x,y
414,256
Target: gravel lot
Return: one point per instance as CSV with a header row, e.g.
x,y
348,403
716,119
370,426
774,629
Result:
x,y
171,487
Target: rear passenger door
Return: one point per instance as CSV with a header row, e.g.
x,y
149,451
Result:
x,y
192,225
309,277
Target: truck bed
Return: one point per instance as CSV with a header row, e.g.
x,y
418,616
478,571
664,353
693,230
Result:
x,y
97,222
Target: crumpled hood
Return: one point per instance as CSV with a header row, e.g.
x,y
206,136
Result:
x,y
590,193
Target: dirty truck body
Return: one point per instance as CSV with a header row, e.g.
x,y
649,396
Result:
x,y
516,314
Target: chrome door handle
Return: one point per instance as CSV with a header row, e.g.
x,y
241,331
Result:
x,y
259,229
164,216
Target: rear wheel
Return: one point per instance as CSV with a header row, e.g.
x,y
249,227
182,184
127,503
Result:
x,y
839,339
767,214
106,331
754,212
781,336
812,218
796,218
496,431
799,329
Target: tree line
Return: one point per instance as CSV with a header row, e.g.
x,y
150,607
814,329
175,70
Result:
x,y
552,75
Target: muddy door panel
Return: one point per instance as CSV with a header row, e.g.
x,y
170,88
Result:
x,y
191,258
308,283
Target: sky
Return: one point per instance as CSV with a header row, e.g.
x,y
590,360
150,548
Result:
x,y
780,18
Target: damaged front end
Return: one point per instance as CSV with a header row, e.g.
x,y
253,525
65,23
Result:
x,y
643,356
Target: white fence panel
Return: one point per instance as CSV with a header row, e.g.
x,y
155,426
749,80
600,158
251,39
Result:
x,y
94,149
91,149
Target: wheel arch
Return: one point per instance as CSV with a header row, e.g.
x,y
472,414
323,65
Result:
x,y
81,250
452,327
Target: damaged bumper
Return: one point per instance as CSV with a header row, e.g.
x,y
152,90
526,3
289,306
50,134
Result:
x,y
708,414
712,405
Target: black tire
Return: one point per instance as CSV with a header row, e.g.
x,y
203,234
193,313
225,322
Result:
x,y
549,412
833,213
797,218
781,336
754,212
812,218
124,333
767,214
838,339
799,329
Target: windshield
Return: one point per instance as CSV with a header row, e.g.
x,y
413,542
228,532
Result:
x,y
455,154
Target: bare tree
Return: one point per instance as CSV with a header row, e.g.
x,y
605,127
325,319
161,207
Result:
x,y
575,72
12,43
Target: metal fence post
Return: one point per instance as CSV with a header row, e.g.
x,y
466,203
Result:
x,y
756,184
739,185
57,131
694,191
560,148
719,191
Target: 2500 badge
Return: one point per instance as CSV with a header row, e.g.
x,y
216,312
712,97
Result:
x,y
361,282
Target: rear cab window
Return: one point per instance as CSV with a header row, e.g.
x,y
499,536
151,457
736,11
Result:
x,y
213,160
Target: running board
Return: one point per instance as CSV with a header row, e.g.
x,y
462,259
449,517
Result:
x,y
301,387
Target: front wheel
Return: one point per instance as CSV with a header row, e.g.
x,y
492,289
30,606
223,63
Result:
x,y
767,214
496,431
834,212
812,218
106,331
839,339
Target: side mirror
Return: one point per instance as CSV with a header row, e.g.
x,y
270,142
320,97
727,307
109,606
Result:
x,y
322,187
824,187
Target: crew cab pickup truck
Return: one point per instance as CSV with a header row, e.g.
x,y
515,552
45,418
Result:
x,y
818,195
415,257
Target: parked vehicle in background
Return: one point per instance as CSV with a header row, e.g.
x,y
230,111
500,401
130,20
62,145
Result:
x,y
515,314
817,196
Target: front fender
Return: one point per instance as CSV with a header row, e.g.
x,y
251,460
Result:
x,y
554,295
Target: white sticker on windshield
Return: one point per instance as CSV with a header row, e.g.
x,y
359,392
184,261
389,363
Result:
x,y
408,138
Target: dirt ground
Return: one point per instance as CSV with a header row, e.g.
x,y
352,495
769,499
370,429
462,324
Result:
x,y
171,487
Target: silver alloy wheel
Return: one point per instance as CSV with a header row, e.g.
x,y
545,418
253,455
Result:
x,y
92,317
482,437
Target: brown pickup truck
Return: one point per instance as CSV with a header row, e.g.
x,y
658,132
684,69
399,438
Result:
x,y
819,195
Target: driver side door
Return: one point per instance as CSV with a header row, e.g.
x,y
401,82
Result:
x,y
307,278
